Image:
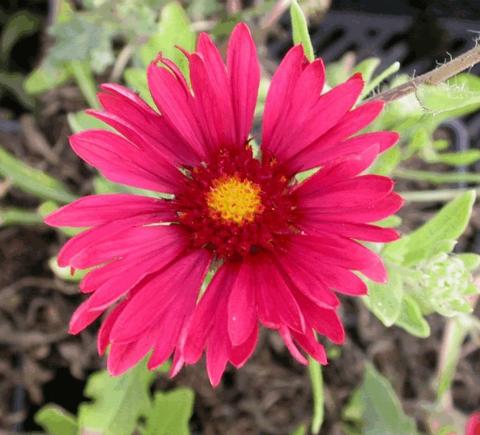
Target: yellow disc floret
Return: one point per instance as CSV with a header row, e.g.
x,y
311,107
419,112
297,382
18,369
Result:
x,y
234,200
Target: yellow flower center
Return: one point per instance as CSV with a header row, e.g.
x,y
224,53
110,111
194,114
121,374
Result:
x,y
234,200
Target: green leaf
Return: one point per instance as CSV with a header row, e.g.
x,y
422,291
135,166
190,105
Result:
x,y
174,28
18,216
367,67
385,300
338,72
437,177
170,413
300,430
12,82
300,30
392,221
471,261
118,402
385,74
18,26
446,97
387,161
412,320
136,79
459,158
45,78
382,410
442,285
81,121
32,180
56,421
438,234
102,185
85,80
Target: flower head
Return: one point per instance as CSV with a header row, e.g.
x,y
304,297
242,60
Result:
x,y
278,249
473,424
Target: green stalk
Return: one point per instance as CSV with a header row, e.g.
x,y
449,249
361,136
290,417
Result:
x,y
18,216
454,335
316,379
85,80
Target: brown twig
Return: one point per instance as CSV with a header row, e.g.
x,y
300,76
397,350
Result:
x,y
434,77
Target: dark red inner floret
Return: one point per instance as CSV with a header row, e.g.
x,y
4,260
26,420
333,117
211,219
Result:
x,y
273,220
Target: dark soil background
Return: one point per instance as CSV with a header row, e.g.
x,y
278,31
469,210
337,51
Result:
x,y
40,363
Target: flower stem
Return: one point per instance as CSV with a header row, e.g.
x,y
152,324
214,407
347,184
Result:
x,y
454,335
316,380
434,77
434,195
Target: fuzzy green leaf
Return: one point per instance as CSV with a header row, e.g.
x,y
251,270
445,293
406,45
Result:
x,y
81,121
385,300
56,421
170,413
117,402
174,28
374,408
471,261
300,30
136,79
367,67
412,320
448,97
32,180
18,216
44,78
437,235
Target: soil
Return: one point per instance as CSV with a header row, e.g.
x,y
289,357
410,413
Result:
x,y
40,362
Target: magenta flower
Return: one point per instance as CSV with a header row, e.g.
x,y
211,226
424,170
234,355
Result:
x,y
279,249
473,424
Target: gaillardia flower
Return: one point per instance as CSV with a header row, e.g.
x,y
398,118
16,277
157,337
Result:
x,y
278,248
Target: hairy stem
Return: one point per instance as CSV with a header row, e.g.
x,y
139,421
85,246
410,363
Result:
x,y
434,77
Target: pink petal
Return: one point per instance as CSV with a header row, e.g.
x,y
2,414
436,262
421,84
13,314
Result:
x,y
325,115
369,233
296,121
158,140
351,123
337,171
355,192
239,355
181,279
94,210
307,278
213,104
324,320
124,356
276,306
122,162
288,340
339,251
103,339
203,319
244,73
371,212
383,139
242,311
308,342
280,93
177,107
